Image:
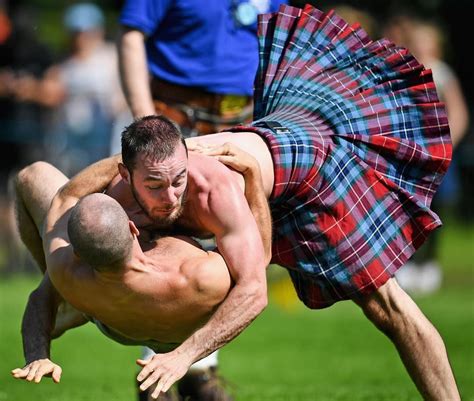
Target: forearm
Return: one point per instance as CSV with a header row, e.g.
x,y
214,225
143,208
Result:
x,y
240,308
259,207
92,179
134,73
37,326
244,257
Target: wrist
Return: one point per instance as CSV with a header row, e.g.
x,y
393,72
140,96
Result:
x,y
252,172
190,350
36,357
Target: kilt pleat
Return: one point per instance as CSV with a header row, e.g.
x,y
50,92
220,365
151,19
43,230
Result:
x,y
366,146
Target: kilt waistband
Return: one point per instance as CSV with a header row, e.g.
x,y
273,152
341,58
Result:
x,y
211,105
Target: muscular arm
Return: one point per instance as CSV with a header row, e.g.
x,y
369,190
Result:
x,y
248,166
36,332
260,210
37,326
240,244
134,72
94,178
40,314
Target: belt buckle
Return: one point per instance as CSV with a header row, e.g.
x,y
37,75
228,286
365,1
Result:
x,y
275,126
232,104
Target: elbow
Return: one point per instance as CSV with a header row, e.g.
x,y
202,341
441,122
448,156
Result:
x,y
263,302
260,299
268,257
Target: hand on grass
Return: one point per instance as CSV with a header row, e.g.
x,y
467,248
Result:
x,y
35,371
164,370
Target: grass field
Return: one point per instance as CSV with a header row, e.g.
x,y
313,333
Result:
x,y
289,353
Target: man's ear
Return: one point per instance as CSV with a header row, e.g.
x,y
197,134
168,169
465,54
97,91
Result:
x,y
124,173
133,228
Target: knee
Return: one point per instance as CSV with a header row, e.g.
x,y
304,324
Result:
x,y
384,308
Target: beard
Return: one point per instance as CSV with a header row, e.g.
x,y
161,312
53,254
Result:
x,y
160,221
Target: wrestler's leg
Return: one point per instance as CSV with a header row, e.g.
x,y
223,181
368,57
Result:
x,y
35,187
419,344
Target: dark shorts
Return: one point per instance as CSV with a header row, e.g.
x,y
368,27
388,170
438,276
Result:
x,y
362,148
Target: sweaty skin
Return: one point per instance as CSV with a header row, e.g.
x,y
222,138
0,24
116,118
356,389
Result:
x,y
168,289
169,292
199,196
204,175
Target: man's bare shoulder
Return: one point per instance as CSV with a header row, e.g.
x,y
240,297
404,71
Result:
x,y
203,269
210,276
71,278
207,171
210,179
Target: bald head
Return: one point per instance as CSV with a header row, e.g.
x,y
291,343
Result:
x,y
99,232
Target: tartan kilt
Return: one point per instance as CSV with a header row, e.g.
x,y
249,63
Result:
x,y
364,146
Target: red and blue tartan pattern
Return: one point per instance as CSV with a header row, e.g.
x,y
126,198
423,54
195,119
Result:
x,y
368,147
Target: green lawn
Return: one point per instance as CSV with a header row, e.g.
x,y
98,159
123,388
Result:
x,y
287,353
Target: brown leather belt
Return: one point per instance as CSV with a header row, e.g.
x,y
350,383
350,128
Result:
x,y
199,112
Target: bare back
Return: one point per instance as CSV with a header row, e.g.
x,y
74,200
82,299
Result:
x,y
168,298
171,293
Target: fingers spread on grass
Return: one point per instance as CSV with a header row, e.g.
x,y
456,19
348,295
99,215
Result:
x,y
32,372
43,370
57,371
19,373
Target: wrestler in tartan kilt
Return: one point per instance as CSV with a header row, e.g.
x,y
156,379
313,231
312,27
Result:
x,y
360,143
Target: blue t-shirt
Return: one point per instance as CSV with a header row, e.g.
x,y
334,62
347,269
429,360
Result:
x,y
210,44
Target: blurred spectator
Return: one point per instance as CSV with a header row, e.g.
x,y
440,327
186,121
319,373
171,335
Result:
x,y
86,89
23,120
23,61
202,59
353,15
425,40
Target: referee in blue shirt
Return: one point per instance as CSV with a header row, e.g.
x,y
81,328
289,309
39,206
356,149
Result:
x,y
192,61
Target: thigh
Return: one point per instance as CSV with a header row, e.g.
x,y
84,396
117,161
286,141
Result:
x,y
38,183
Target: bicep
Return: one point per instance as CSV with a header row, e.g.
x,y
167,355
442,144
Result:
x,y
237,234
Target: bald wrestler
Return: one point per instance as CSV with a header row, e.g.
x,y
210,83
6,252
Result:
x,y
148,292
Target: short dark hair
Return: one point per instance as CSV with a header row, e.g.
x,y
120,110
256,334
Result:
x,y
155,136
99,232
